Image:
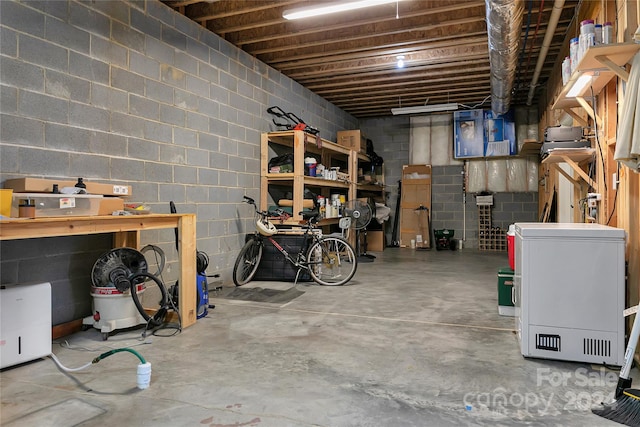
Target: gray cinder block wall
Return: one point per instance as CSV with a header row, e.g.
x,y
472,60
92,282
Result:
x,y
391,137
134,93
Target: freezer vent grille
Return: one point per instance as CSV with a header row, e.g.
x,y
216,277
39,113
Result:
x,y
548,342
596,347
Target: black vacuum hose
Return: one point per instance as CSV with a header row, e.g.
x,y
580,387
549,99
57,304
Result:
x,y
158,318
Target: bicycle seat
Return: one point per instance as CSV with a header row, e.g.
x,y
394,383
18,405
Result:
x,y
313,215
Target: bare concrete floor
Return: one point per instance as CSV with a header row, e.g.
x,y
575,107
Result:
x,y
414,340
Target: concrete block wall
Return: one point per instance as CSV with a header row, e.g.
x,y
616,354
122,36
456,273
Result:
x,y
132,92
390,136
447,210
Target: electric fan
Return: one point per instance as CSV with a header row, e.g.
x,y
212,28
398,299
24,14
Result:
x,y
356,216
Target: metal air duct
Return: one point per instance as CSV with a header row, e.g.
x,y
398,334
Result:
x,y
504,23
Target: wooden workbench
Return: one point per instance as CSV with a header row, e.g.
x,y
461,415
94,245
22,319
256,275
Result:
x,y
126,231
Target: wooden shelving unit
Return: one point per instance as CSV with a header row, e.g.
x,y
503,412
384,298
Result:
x,y
303,144
377,189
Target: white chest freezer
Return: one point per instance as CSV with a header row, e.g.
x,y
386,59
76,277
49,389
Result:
x,y
569,292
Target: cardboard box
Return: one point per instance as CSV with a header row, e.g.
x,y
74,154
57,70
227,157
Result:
x,y
42,185
375,240
110,204
416,192
353,139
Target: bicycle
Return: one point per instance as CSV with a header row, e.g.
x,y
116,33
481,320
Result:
x,y
330,261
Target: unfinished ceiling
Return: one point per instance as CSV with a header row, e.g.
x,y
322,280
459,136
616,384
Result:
x,y
350,58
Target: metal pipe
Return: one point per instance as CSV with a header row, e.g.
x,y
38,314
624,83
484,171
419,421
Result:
x,y
504,23
544,49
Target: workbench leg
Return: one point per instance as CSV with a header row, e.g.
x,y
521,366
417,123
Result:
x,y
126,239
187,257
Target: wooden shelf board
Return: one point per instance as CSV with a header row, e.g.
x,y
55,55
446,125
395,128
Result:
x,y
619,53
321,182
530,149
370,187
280,176
578,155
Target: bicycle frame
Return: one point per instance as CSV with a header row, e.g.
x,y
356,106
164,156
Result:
x,y
330,260
300,262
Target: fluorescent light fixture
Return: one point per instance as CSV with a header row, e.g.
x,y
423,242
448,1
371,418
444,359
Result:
x,y
579,85
326,8
424,109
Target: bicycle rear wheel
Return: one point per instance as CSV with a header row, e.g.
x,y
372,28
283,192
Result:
x,y
332,261
247,262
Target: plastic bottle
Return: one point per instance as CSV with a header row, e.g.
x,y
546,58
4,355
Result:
x,y
566,70
587,37
81,184
607,33
573,49
587,26
598,37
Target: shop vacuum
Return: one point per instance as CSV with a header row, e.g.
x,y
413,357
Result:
x,y
118,280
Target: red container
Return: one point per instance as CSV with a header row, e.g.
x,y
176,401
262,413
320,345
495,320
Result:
x,y
511,247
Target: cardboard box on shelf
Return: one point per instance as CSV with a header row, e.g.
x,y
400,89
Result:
x,y
110,204
44,185
353,139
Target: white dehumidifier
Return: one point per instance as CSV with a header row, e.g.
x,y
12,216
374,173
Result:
x,y
25,323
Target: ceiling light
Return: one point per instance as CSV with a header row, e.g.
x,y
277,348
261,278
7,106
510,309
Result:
x,y
424,109
400,62
579,85
324,9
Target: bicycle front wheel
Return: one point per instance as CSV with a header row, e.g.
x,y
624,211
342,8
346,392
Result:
x,y
331,261
247,262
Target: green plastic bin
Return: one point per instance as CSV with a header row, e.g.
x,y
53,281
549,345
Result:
x,y
505,289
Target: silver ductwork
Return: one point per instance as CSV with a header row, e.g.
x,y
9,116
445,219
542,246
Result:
x,y
504,24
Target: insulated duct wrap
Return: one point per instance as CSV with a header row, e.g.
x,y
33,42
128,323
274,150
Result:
x,y
504,23
477,176
441,137
532,175
430,140
497,175
517,175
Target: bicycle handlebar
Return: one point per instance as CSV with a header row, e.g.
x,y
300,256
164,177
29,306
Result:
x,y
263,214
311,220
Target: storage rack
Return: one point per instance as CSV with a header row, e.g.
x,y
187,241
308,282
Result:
x,y
489,238
328,153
